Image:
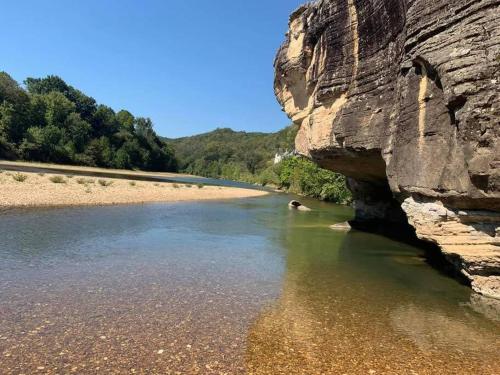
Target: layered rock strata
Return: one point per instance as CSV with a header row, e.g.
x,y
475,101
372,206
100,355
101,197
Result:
x,y
402,97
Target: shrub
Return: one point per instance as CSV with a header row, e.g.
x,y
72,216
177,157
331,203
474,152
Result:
x,y
69,176
105,183
132,183
19,177
175,186
268,176
301,176
188,185
200,186
41,174
156,184
84,181
57,179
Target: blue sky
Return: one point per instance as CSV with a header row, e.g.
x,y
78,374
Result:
x,y
190,65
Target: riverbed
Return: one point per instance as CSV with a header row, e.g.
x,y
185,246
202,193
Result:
x,y
237,286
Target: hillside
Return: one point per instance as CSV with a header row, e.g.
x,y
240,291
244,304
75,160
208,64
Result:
x,y
249,157
230,154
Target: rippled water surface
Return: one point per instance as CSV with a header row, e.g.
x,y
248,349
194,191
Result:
x,y
227,287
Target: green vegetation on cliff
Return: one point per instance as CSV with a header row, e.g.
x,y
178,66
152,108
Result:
x,y
249,157
50,121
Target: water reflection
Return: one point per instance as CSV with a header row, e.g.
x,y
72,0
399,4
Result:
x,y
360,303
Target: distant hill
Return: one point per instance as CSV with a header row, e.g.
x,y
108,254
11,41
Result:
x,y
230,154
249,157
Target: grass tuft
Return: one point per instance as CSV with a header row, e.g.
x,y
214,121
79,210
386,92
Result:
x,y
57,179
175,186
19,177
105,182
132,183
84,181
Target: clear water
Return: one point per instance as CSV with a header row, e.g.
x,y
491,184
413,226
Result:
x,y
243,286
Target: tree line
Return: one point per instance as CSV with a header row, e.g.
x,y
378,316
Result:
x,y
48,120
249,157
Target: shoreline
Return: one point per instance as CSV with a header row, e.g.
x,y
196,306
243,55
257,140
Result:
x,y
36,167
25,190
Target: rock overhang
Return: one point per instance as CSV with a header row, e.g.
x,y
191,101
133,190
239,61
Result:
x,y
402,97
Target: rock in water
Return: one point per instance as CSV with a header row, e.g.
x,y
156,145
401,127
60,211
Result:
x,y
345,226
298,206
402,97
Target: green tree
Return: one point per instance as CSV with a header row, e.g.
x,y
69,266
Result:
x,y
32,145
104,122
99,153
14,109
46,85
84,105
44,144
79,131
12,123
126,120
122,159
57,109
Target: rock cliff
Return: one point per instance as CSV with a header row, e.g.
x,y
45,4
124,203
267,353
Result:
x,y
402,97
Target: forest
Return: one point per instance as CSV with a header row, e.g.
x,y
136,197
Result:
x,y
51,121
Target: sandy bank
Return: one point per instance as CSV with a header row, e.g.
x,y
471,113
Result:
x,y
39,190
73,169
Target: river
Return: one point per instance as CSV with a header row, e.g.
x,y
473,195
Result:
x,y
243,286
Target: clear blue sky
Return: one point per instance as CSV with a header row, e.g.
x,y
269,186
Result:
x,y
190,65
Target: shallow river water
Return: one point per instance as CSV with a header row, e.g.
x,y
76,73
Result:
x,y
231,287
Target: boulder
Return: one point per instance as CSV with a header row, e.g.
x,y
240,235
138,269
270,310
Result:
x,y
345,226
296,205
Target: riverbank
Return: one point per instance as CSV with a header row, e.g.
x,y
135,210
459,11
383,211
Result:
x,y
24,166
27,189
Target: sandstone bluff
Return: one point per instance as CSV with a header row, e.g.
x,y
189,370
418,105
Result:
x,y
402,97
